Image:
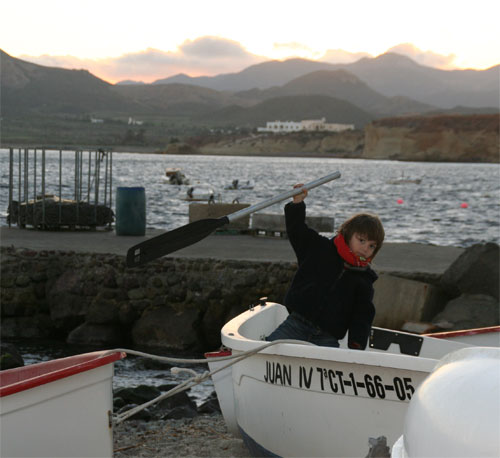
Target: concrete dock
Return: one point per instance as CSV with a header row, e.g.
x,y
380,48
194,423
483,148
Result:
x,y
393,257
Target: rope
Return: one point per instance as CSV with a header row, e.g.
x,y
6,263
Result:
x,y
196,378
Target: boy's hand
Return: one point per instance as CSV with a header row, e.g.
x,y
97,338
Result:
x,y
299,197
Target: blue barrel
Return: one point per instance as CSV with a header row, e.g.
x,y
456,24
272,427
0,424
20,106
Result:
x,y
130,211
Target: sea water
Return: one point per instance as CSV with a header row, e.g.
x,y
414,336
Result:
x,y
455,204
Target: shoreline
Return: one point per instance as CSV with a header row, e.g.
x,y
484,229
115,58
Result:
x,y
278,154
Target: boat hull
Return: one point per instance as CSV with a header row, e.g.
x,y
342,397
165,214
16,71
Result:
x,y
293,399
59,416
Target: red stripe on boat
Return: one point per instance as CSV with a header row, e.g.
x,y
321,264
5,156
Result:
x,y
26,377
216,354
468,332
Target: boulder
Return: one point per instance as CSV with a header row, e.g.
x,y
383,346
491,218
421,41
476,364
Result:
x,y
475,271
167,328
9,357
137,395
66,300
469,311
97,334
398,300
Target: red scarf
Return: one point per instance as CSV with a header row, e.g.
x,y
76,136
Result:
x,y
347,255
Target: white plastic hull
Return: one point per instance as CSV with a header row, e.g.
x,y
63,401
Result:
x,y
63,417
304,400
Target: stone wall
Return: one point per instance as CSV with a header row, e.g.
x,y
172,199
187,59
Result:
x,y
96,299
181,304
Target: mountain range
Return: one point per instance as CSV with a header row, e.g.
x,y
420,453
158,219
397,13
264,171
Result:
x,y
295,89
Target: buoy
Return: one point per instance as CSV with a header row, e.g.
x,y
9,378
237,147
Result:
x,y
400,201
464,204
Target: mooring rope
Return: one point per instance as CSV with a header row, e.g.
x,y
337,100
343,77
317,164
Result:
x,y
196,378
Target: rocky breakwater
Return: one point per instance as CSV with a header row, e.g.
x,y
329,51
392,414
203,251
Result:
x,y
95,299
181,304
454,138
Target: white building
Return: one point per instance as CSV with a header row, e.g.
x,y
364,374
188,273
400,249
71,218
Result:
x,y
308,125
135,122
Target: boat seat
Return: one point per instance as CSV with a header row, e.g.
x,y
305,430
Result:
x,y
381,339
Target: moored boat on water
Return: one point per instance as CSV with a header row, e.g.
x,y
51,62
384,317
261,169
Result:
x,y
293,399
59,408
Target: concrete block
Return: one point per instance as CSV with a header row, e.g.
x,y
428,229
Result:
x,y
276,223
398,300
199,211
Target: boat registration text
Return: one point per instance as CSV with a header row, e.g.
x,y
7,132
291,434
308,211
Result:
x,y
339,381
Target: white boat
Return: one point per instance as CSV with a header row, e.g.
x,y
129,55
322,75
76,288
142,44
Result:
x,y
404,180
59,408
456,410
175,176
201,194
294,399
237,184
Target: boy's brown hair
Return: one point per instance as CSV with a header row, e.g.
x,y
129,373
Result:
x,y
365,224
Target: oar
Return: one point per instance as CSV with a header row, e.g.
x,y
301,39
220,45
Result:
x,y
191,233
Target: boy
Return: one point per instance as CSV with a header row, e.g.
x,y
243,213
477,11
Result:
x,y
332,290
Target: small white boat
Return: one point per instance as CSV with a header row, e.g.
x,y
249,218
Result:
x,y
59,408
237,184
404,180
200,194
175,176
456,410
297,399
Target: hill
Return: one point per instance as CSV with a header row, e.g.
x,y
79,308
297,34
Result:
x,y
342,85
35,89
290,108
390,74
177,99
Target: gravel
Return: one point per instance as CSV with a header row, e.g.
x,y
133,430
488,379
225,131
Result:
x,y
204,435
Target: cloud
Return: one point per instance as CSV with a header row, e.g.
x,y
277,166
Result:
x,y
203,56
339,56
428,58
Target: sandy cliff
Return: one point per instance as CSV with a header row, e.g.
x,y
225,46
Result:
x,y
349,143
440,138
473,138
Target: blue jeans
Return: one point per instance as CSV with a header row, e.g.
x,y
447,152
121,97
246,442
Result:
x,y
296,327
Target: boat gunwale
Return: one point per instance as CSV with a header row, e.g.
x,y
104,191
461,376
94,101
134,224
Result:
x,y
460,333
234,340
26,377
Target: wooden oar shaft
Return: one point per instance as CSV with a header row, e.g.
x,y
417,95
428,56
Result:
x,y
282,196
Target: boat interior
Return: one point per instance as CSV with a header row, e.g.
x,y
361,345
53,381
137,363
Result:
x,y
252,327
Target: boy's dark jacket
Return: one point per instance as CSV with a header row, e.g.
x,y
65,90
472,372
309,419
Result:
x,y
335,298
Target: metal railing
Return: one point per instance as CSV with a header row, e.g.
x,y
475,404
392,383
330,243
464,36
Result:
x,y
58,189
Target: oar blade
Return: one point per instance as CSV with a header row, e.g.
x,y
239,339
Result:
x,y
171,241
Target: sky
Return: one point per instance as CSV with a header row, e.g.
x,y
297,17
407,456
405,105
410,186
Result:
x,y
146,40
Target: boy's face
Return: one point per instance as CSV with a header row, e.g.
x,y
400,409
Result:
x,y
361,246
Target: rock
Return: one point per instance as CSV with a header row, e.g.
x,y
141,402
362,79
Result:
x,y
398,300
138,394
97,334
167,328
143,414
475,271
9,357
180,412
470,311
177,400
210,406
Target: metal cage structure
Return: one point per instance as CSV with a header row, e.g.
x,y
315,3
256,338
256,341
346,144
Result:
x,y
58,189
